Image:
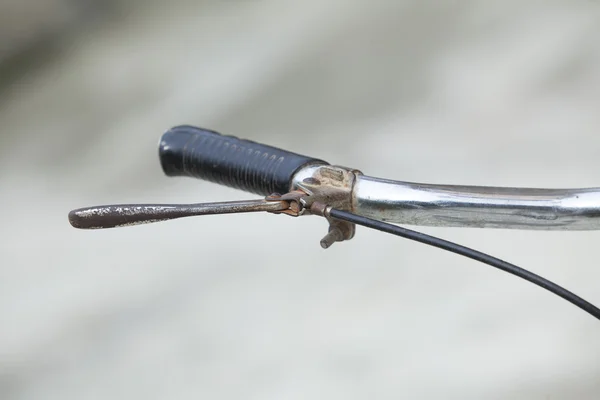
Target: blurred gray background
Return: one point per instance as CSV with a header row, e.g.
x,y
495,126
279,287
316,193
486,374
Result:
x,y
249,306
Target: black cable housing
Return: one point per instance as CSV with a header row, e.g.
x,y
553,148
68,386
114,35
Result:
x,y
470,253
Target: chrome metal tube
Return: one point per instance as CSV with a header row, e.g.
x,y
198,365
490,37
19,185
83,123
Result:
x,y
472,206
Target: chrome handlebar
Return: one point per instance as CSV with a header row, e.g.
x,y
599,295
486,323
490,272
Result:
x,y
468,206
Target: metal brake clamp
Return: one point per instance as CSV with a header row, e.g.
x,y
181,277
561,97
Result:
x,y
330,187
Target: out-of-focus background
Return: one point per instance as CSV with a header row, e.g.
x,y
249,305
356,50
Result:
x,y
229,307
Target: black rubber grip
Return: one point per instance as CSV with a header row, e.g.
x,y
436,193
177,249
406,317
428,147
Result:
x,y
229,161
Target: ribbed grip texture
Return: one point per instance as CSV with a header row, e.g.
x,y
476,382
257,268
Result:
x,y
229,161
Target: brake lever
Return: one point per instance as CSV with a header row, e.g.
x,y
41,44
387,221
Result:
x,y
118,215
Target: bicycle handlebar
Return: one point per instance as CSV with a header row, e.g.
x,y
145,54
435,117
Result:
x,y
262,169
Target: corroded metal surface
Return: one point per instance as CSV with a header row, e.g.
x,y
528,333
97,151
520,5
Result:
x,y
135,214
